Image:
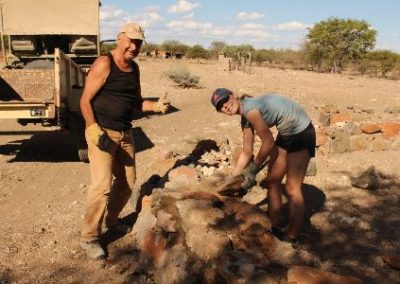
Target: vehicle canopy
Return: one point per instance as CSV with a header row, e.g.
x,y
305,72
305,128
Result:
x,y
50,17
35,28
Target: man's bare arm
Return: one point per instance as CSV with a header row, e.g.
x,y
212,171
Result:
x,y
94,82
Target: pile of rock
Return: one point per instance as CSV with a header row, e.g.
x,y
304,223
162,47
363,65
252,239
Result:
x,y
341,131
195,226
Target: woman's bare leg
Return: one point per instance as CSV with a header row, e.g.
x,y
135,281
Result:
x,y
297,163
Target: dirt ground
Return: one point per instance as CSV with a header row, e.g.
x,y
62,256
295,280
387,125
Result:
x,y
43,186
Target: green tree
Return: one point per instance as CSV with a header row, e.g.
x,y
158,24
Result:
x,y
230,51
341,39
386,59
217,46
149,47
197,52
174,46
264,55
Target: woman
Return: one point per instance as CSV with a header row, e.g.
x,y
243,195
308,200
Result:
x,y
289,154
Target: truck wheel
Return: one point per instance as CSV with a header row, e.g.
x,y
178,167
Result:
x,y
83,155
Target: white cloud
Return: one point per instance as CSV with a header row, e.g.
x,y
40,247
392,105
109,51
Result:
x,y
111,13
253,26
189,16
188,25
249,16
219,31
149,17
395,35
112,18
293,25
183,6
254,34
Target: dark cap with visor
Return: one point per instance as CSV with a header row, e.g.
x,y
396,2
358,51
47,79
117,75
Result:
x,y
219,97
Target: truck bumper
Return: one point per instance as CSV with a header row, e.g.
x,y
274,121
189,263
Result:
x,y
27,110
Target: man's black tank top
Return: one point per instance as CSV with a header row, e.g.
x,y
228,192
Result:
x,y
113,105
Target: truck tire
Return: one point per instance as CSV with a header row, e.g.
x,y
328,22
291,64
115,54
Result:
x,y
83,155
76,127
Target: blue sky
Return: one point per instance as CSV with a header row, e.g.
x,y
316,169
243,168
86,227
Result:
x,y
261,23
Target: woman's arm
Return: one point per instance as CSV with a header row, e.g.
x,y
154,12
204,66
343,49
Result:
x,y
262,130
247,153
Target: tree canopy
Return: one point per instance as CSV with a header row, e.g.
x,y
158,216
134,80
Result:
x,y
197,51
338,40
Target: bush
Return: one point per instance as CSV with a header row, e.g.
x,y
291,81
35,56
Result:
x,y
183,78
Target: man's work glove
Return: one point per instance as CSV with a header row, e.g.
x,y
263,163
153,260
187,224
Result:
x,y
162,104
99,137
94,132
106,143
250,175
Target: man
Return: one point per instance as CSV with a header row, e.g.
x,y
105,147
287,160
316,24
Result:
x,y
289,153
112,93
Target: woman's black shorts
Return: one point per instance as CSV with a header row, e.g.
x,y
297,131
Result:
x,y
297,142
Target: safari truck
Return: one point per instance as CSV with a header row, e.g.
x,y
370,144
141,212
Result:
x,y
47,47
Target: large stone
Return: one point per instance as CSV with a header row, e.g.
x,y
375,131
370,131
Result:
x,y
198,217
368,179
308,275
166,221
390,129
340,141
154,244
352,128
183,175
359,143
205,243
144,223
325,118
378,144
174,266
370,128
195,212
161,153
340,117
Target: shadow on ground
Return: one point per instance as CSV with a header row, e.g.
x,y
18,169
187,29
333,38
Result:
x,y
55,147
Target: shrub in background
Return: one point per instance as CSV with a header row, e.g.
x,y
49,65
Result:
x,y
182,77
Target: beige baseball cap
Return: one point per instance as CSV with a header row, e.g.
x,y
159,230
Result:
x,y
133,31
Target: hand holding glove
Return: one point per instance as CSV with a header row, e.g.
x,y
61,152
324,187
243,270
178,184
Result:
x,y
99,137
250,175
162,104
94,132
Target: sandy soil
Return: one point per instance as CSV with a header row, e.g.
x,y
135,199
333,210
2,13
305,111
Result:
x,y
43,187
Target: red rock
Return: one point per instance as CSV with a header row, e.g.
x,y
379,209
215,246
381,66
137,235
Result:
x,y
154,245
370,128
341,117
390,129
308,275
